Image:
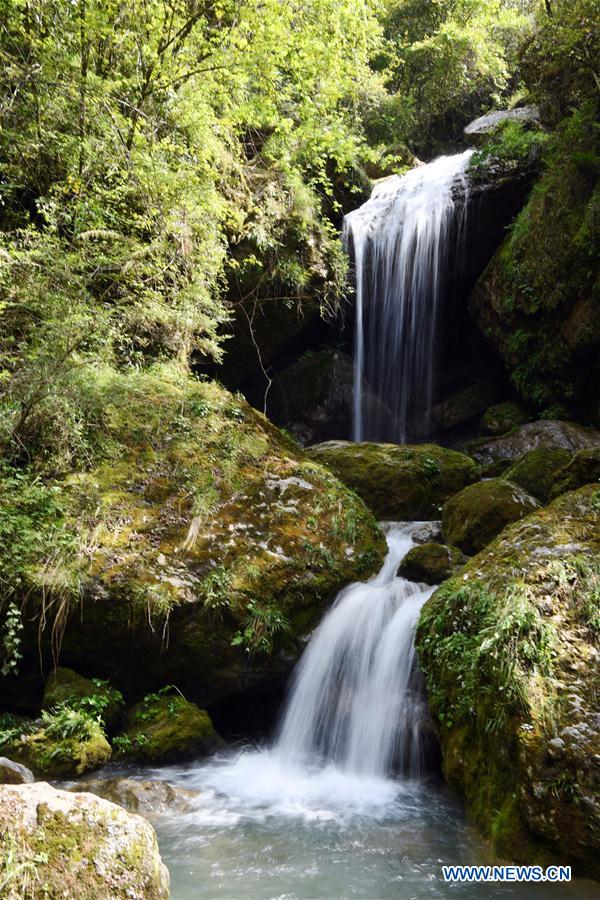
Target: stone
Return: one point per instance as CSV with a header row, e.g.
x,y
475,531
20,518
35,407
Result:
x,y
167,728
465,405
76,845
552,434
14,773
536,471
496,468
479,129
476,515
431,563
428,533
150,799
399,482
509,649
583,468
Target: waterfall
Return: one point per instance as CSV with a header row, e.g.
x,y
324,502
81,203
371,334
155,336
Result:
x,y
355,698
400,240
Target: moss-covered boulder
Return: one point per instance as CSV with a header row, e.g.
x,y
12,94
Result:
x,y
63,743
66,687
536,471
208,544
502,417
60,844
583,468
472,518
496,468
465,405
167,727
398,482
431,563
509,649
551,434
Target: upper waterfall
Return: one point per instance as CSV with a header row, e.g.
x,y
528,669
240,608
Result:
x,y
400,240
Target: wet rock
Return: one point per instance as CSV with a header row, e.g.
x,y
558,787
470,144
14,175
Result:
x,y
76,845
427,533
64,686
148,798
502,417
431,563
509,648
167,728
555,435
398,482
14,773
479,129
536,471
496,468
472,518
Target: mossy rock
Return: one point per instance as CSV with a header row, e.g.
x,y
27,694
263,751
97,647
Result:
x,y
431,563
75,845
166,728
62,744
536,471
503,417
398,482
207,521
509,649
473,518
64,686
583,468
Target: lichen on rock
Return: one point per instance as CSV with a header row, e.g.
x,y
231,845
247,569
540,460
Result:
x,y
59,844
509,648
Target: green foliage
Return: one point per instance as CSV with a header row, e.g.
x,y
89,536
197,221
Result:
x,y
513,145
260,627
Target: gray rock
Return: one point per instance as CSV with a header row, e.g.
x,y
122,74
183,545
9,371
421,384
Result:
x,y
148,798
14,773
477,130
550,433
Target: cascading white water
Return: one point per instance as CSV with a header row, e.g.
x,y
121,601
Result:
x,y
400,243
354,698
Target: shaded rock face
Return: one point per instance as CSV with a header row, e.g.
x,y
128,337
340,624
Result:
x,y
583,468
536,471
479,129
553,435
313,398
473,517
464,406
502,417
431,563
76,845
211,527
509,649
398,482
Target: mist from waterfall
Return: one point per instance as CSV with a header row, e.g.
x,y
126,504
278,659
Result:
x,y
400,242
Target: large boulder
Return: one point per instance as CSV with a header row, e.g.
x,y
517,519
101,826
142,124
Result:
x,y
473,517
509,648
464,405
549,433
215,544
502,417
166,727
431,563
150,799
536,471
480,129
398,481
75,845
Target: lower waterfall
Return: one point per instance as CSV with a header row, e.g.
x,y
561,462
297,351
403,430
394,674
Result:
x,y
400,240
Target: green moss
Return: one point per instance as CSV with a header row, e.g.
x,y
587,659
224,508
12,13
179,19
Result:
x,y
166,727
508,648
503,417
398,482
66,687
536,471
583,468
473,517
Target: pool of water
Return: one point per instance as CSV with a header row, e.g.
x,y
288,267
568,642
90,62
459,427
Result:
x,y
262,829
